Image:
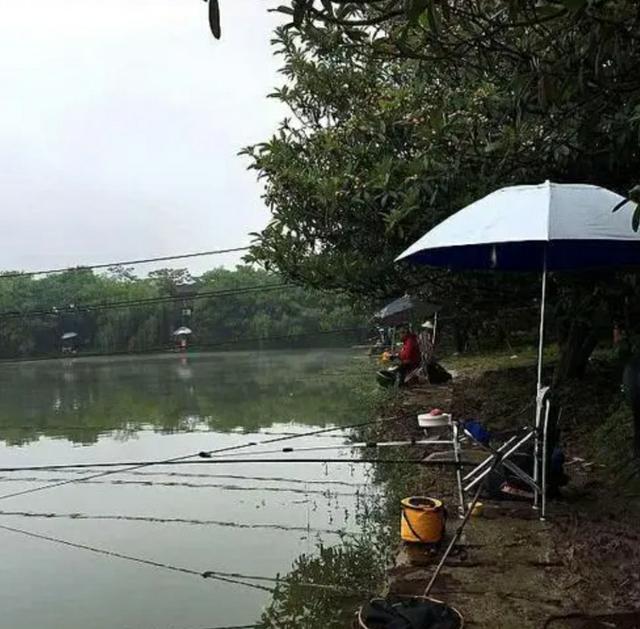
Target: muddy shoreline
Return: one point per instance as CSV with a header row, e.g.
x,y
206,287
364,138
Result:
x,y
517,571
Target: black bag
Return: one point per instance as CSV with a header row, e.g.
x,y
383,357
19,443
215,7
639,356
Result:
x,y
409,614
437,374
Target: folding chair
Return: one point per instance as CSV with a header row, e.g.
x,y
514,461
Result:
x,y
514,444
503,453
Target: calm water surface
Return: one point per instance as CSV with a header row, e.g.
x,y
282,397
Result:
x,y
236,517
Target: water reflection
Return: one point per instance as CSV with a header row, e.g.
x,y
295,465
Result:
x,y
80,399
252,519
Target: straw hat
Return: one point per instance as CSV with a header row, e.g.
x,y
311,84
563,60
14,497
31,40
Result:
x,y
427,325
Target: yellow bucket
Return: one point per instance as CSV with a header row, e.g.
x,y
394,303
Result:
x,y
422,520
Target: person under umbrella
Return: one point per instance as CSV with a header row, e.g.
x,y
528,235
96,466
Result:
x,y
408,359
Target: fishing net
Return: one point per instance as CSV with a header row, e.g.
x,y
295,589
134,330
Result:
x,y
415,613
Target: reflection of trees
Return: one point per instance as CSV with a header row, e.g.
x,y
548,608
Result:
x,y
355,569
82,398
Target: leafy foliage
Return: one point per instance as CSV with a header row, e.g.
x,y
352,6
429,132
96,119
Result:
x,y
404,112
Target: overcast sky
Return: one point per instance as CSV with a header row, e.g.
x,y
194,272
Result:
x,y
120,121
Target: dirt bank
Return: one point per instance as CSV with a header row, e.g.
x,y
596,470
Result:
x,y
517,571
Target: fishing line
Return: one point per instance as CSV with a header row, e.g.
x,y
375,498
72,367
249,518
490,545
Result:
x,y
228,577
220,576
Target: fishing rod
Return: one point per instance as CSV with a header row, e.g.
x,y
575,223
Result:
x,y
360,445
179,459
220,461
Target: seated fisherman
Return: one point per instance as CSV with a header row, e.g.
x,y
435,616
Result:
x,y
407,359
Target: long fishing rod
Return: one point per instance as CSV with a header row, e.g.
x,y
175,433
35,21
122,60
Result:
x,y
220,461
359,445
179,459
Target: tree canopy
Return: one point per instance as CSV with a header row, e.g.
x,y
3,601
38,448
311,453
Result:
x,y
398,119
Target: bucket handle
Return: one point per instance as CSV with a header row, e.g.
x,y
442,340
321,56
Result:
x,y
415,533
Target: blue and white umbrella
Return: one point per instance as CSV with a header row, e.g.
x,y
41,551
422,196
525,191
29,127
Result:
x,y
546,227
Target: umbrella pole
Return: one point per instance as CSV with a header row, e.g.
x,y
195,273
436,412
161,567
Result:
x,y
543,299
435,328
536,447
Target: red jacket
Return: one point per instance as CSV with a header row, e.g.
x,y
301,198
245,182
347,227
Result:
x,y
410,352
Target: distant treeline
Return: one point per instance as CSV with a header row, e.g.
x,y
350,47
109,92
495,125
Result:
x,y
119,312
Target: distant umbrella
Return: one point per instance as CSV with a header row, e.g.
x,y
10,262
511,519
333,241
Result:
x,y
182,331
404,308
69,335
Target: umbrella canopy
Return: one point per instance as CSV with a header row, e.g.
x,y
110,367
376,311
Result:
x,y
516,228
182,331
401,309
69,335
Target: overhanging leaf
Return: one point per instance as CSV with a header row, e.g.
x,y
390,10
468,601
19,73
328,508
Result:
x,y
214,18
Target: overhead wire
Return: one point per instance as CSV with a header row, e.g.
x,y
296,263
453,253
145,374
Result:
x,y
107,265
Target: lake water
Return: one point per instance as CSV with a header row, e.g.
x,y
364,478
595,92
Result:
x,y
244,518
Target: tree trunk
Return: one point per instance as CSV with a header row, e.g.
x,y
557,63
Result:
x,y
575,351
631,381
